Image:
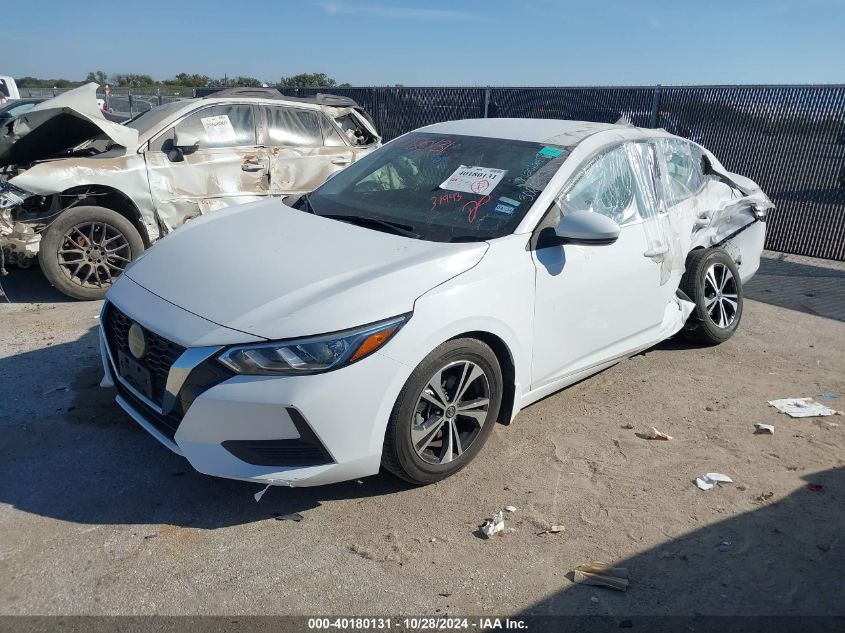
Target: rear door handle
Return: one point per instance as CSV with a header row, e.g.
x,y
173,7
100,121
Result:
x,y
341,161
657,251
252,166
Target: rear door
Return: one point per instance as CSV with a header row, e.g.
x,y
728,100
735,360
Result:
x,y
228,168
303,151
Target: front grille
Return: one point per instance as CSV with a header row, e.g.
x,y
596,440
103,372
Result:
x,y
165,424
160,356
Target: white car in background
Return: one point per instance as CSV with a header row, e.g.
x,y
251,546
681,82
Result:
x,y
87,195
430,290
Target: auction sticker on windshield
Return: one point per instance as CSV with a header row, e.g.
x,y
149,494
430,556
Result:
x,y
471,179
218,129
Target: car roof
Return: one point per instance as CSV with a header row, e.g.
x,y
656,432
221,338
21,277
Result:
x,y
555,131
320,99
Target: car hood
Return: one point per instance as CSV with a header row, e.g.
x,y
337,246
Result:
x,y
58,125
274,272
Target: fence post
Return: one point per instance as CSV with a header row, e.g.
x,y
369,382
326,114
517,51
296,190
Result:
x,y
486,101
375,109
655,106
131,108
158,94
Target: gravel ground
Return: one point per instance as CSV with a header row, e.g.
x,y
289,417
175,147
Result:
x,y
97,518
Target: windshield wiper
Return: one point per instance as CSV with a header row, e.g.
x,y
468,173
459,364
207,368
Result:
x,y
303,204
392,227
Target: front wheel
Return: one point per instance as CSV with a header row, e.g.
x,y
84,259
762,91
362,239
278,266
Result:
x,y
712,282
444,413
86,248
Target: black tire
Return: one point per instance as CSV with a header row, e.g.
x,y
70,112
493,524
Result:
x,y
715,318
399,455
86,248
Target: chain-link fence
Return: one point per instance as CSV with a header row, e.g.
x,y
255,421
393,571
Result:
x,y
790,139
126,102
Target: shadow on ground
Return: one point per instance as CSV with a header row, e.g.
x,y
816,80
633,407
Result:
x,y
30,286
810,289
70,453
734,565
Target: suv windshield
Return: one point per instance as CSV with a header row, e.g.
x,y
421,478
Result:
x,y
442,188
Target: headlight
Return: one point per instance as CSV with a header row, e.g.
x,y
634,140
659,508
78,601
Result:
x,y
312,355
11,196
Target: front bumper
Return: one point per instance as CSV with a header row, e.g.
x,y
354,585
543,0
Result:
x,y
290,430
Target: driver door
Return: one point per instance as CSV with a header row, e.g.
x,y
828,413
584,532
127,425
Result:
x,y
228,167
596,303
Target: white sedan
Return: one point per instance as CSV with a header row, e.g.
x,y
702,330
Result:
x,y
434,288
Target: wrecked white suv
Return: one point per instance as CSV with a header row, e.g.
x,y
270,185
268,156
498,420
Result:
x,y
87,195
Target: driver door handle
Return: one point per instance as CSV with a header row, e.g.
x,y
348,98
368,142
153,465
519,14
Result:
x,y
250,165
341,161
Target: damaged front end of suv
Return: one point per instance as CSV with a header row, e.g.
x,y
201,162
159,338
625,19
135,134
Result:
x,y
50,158
23,215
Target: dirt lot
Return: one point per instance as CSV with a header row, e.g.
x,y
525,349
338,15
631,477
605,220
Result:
x,y
97,518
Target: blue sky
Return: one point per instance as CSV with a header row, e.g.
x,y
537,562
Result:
x,y
437,42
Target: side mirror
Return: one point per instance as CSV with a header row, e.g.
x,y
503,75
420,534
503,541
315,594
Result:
x,y
587,228
186,142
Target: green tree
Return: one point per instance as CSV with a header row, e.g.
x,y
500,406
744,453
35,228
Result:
x,y
188,79
98,77
308,80
246,82
131,80
35,82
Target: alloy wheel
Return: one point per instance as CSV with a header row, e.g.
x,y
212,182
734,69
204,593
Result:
x,y
720,295
94,254
450,412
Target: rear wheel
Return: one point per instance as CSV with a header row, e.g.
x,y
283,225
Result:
x,y
86,248
445,412
712,282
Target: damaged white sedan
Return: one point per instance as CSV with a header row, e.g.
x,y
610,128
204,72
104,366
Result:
x,y
430,290
88,195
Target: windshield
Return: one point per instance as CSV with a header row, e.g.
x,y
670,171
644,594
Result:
x,y
442,188
150,119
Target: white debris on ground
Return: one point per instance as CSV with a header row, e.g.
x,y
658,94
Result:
x,y
493,525
801,407
708,481
654,434
602,575
764,428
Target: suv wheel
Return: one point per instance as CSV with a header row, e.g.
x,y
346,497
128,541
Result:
x,y
86,248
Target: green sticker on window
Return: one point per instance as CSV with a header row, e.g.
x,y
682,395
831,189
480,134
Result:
x,y
550,152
